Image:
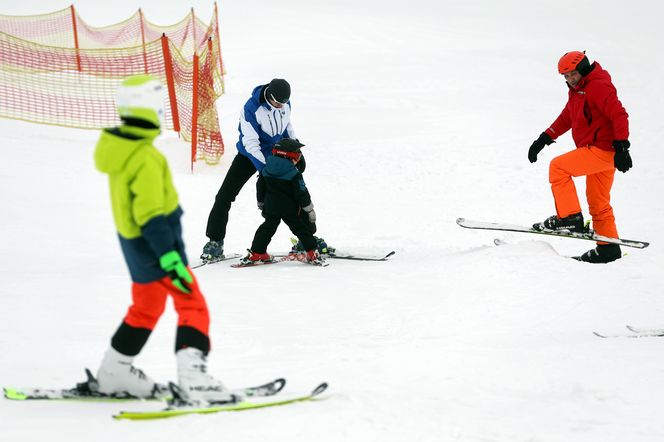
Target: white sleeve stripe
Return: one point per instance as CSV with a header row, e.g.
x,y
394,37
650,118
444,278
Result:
x,y
290,132
250,139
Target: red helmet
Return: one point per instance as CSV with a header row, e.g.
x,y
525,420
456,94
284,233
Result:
x,y
574,61
288,148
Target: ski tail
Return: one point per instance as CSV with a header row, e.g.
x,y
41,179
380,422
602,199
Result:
x,y
83,394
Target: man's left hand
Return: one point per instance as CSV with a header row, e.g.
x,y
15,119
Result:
x,y
622,160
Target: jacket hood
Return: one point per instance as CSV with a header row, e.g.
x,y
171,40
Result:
x,y
281,168
257,95
597,73
117,145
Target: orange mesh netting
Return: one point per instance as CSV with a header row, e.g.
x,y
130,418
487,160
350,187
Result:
x,y
57,69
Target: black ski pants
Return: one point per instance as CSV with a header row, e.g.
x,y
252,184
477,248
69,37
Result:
x,y
298,224
238,174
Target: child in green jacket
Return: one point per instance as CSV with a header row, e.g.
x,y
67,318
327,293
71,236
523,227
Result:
x,y
147,215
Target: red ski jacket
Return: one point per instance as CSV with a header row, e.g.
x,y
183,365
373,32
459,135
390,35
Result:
x,y
593,112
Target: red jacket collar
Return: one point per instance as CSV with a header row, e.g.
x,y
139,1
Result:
x,y
596,73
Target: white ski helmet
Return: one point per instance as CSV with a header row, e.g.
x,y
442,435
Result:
x,y
141,97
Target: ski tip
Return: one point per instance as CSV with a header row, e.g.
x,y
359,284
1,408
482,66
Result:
x,y
277,385
599,335
460,221
390,254
13,394
320,389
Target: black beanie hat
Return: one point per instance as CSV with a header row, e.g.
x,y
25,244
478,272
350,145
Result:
x,y
278,90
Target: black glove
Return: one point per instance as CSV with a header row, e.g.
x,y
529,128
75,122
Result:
x,y
311,213
310,216
301,165
535,148
622,160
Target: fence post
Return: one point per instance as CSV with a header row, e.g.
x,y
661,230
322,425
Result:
x,y
170,81
193,32
75,30
194,112
145,55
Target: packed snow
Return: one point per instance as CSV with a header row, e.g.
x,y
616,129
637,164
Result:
x,y
414,113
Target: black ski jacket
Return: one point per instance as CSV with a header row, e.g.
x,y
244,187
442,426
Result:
x,y
281,188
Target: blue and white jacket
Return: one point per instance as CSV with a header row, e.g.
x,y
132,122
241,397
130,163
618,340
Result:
x,y
261,127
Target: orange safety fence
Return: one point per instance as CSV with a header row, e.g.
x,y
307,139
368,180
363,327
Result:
x,y
56,69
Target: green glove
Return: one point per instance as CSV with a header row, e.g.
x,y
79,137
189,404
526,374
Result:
x,y
171,263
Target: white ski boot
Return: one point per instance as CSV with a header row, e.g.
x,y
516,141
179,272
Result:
x,y
195,383
118,377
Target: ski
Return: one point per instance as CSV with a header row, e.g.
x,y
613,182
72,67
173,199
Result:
x,y
68,394
300,257
336,254
181,408
85,392
502,242
590,236
636,333
240,265
645,330
360,257
214,261
353,257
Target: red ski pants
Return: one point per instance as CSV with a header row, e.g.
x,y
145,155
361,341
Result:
x,y
149,302
597,166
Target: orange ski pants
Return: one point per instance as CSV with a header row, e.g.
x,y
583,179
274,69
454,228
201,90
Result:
x,y
598,168
149,302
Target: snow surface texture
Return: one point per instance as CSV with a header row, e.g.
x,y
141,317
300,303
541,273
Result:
x,y
414,113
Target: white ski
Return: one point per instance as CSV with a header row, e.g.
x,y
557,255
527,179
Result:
x,y
590,236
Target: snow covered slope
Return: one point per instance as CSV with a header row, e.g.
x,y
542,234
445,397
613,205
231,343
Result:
x,y
414,113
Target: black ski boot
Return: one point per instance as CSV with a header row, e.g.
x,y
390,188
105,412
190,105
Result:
x,y
213,251
571,223
321,245
602,254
